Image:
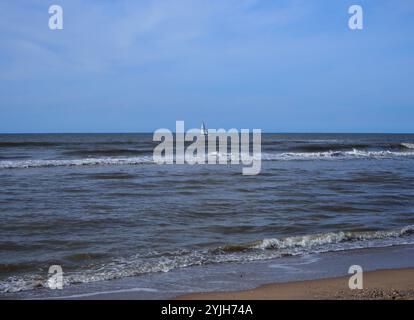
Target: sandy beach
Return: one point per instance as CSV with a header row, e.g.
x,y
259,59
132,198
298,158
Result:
x,y
381,284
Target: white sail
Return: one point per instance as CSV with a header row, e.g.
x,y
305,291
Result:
x,y
203,129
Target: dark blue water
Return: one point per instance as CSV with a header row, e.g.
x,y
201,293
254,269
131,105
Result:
x,y
98,206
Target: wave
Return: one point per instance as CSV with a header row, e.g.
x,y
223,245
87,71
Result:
x,y
407,145
333,145
280,156
270,248
353,154
74,162
310,241
328,147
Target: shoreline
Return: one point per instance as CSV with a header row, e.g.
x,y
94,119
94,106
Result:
x,y
210,281
388,284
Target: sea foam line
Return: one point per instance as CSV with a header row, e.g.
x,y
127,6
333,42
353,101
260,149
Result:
x,y
14,164
260,250
309,241
408,145
284,156
332,155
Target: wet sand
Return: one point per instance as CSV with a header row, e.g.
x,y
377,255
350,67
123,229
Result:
x,y
381,284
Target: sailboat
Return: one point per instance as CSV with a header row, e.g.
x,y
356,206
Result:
x,y
203,130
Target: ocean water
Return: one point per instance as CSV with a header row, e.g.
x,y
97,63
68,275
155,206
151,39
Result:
x,y
97,205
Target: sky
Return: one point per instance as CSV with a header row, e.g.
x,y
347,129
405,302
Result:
x,y
137,66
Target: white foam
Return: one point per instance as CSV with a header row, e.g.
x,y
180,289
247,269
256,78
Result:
x,y
13,164
408,145
262,250
309,241
332,155
285,156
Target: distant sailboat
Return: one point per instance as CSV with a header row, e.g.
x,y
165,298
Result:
x,y
203,130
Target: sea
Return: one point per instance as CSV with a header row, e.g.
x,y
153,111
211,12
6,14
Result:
x,y
98,206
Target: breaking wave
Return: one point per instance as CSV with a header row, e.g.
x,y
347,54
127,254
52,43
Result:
x,y
277,156
13,164
259,250
310,241
408,145
353,154
312,147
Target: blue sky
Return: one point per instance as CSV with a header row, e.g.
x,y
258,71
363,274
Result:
x,y
282,66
